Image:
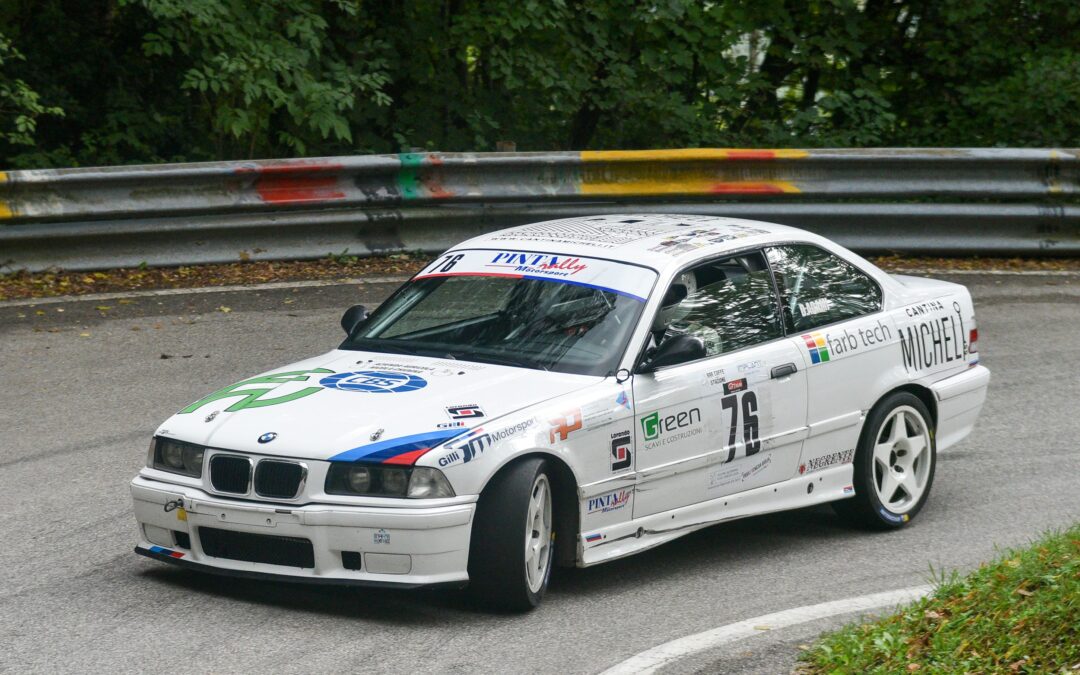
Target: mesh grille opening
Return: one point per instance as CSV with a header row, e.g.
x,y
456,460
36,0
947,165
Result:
x,y
230,474
257,548
280,480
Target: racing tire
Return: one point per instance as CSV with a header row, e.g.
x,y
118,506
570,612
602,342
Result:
x,y
513,538
894,465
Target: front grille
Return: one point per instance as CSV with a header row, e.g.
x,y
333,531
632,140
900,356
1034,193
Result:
x,y
229,473
279,480
257,548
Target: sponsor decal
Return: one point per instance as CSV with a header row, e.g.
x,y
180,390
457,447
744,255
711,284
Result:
x,y
160,550
815,307
267,437
593,537
612,501
253,397
475,442
892,517
451,425
565,425
849,489
690,240
825,461
538,263
715,377
751,365
736,474
376,435
933,341
406,367
467,411
623,400
374,382
660,430
829,346
599,233
380,537
734,386
621,454
211,416
924,308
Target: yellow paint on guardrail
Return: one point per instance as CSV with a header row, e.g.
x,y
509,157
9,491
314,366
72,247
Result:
x,y
685,154
694,171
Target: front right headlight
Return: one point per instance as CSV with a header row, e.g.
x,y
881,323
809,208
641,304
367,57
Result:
x,y
176,457
417,482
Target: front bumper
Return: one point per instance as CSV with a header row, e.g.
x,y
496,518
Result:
x,y
403,547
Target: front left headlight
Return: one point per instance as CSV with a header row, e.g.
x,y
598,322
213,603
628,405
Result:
x,y
176,457
418,482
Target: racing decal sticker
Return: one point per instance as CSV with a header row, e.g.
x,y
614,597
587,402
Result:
x,y
400,450
472,444
812,307
734,474
253,397
563,426
160,550
612,501
849,489
590,538
467,411
734,386
605,275
934,340
660,430
598,232
689,240
623,400
621,453
829,346
825,461
374,382
892,517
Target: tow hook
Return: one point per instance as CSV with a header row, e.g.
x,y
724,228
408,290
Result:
x,y
175,504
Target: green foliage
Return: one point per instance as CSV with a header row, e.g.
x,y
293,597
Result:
x,y
20,106
1020,613
180,80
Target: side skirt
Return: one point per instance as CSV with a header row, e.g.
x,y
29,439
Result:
x,y
623,539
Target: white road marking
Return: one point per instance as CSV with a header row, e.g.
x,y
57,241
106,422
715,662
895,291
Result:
x,y
273,285
663,655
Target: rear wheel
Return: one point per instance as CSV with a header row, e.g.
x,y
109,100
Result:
x,y
513,538
894,464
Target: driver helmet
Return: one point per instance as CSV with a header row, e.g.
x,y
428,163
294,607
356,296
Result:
x,y
674,312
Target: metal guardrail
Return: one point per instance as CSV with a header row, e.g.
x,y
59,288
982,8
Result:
x,y
987,201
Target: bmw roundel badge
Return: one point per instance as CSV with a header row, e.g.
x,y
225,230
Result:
x,y
267,437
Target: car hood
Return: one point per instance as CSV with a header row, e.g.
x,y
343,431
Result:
x,y
362,406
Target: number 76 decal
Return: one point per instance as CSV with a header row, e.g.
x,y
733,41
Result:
x,y
751,436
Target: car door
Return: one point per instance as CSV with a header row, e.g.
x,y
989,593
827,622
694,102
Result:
x,y
833,311
733,420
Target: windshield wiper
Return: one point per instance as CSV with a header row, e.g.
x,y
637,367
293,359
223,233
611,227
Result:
x,y
506,361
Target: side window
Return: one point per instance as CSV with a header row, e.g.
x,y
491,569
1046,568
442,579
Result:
x,y
729,304
819,288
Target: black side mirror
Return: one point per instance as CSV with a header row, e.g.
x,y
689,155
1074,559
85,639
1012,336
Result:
x,y
673,351
353,317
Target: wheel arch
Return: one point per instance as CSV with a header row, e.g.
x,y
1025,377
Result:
x,y
920,392
565,504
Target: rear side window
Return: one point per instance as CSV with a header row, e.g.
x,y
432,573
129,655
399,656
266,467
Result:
x,y
818,288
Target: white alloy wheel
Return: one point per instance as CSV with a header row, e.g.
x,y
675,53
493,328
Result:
x,y
538,534
901,459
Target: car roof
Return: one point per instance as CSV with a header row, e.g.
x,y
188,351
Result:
x,y
654,240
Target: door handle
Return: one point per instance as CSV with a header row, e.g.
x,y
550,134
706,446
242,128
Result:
x,y
784,370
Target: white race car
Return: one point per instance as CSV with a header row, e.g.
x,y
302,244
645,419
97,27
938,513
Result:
x,y
573,391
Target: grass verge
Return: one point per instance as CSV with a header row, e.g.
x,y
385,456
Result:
x,y
1020,613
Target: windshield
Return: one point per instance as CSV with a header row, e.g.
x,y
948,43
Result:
x,y
542,311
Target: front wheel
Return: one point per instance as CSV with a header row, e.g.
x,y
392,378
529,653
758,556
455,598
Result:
x,y
513,538
894,464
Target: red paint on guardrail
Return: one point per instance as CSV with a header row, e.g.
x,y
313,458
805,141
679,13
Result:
x,y
296,182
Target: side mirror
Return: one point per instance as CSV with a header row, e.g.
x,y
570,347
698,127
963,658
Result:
x,y
673,351
353,317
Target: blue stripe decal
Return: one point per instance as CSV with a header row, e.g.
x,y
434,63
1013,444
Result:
x,y
377,452
581,283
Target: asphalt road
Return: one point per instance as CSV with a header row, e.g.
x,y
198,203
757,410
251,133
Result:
x,y
84,387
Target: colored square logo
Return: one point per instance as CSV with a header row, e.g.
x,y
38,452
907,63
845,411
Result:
x,y
818,348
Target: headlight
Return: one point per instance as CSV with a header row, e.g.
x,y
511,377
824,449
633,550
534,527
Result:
x,y
176,457
391,481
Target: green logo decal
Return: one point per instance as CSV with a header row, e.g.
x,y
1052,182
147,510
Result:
x,y
650,426
252,397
